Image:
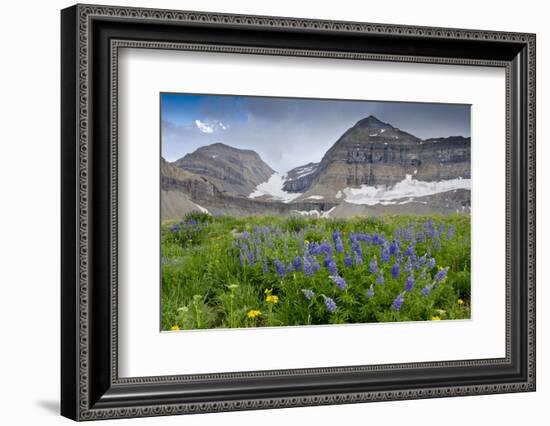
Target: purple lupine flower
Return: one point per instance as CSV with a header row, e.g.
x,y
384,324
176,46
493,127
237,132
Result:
x,y
242,258
266,266
250,256
330,304
308,267
395,270
394,247
315,265
409,284
430,228
377,240
331,266
370,292
174,228
409,233
385,254
410,250
373,266
408,265
421,236
339,281
357,259
398,302
356,246
280,268
297,263
440,275
422,260
431,263
347,260
426,290
289,268
380,278
308,294
318,249
338,243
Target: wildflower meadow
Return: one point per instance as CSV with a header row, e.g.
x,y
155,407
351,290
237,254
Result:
x,y
227,272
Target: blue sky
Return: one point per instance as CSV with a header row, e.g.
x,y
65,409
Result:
x,y
289,132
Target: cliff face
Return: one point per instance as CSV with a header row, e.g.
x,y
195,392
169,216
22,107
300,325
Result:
x,y
376,153
301,178
232,170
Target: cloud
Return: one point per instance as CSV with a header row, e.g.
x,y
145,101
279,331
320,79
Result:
x,y
203,127
288,132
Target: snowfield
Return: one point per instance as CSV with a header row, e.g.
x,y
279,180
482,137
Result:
x,y
273,188
315,213
407,188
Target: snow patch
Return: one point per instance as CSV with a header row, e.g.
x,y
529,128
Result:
x,y
315,197
408,187
273,188
315,213
338,194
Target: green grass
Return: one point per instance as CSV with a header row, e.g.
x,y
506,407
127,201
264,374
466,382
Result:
x,y
206,283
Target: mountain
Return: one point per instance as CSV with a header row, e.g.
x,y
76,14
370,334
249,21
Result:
x,y
232,170
374,168
375,153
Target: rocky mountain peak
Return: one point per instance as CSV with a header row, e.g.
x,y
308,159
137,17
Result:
x,y
231,169
372,122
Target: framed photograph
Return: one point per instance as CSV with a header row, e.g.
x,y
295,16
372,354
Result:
x,y
263,212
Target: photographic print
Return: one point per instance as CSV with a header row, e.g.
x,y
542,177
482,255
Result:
x,y
299,212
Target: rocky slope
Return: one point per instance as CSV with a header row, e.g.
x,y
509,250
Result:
x,y
184,192
375,153
301,178
232,170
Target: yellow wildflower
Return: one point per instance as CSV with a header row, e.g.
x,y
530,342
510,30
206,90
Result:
x,y
306,242
175,327
460,302
436,318
268,290
253,313
271,298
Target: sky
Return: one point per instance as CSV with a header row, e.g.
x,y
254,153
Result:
x,y
290,132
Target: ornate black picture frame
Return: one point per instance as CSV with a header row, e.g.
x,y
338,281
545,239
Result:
x,y
91,387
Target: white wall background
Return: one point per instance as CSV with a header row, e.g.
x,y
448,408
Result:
x,y
29,214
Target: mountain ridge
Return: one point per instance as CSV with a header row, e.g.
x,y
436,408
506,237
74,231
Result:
x,y
370,154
